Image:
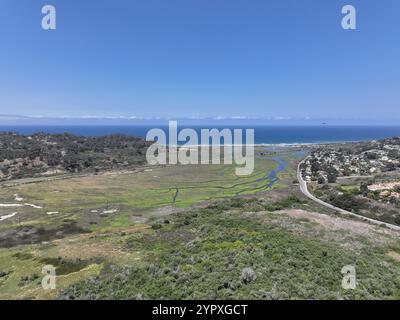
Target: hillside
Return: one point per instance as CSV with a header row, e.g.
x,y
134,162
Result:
x,y
188,232
23,156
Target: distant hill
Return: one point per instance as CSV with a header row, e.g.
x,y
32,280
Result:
x,y
41,154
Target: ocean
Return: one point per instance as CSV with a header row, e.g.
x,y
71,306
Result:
x,y
271,134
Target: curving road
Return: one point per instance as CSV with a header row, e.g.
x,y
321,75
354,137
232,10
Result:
x,y
304,190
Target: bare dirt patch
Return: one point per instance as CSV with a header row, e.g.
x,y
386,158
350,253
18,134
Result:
x,y
165,211
394,255
337,223
351,234
88,250
273,195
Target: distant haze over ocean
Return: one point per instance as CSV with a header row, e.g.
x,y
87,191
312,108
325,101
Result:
x,y
264,134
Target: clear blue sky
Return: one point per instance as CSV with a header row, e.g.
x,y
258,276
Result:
x,y
201,58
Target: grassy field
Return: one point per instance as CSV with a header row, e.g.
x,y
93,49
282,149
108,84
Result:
x,y
113,198
187,232
50,211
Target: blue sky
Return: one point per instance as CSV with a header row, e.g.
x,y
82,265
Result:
x,y
201,58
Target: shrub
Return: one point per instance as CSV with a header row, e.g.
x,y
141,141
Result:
x,y
156,226
248,275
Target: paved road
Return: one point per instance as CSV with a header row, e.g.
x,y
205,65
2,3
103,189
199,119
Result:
x,y
304,190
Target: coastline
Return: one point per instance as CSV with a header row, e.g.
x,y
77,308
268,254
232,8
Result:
x,y
265,136
275,145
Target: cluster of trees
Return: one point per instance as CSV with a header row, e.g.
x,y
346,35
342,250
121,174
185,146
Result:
x,y
347,202
24,156
317,167
361,200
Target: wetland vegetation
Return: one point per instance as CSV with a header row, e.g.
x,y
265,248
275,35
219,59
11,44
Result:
x,y
187,232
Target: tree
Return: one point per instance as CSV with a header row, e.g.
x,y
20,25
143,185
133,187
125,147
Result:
x,y
332,177
364,188
321,180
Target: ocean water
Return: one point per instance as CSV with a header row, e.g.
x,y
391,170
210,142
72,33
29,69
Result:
x,y
263,134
